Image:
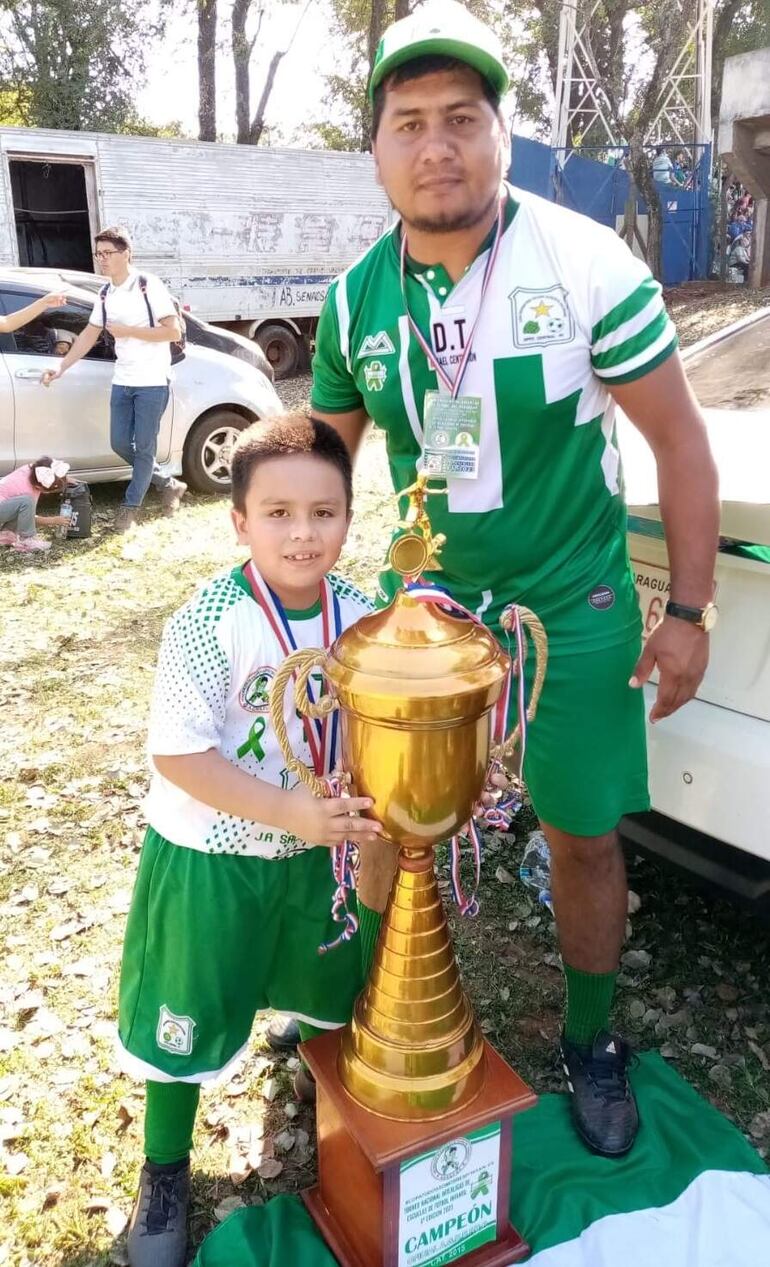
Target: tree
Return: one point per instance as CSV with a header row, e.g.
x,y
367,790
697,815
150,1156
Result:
x,y
250,129
74,63
207,70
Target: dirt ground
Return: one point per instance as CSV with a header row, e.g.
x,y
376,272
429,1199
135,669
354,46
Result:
x,y
700,308
80,636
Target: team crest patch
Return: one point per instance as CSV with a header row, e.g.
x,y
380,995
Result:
x,y
541,317
175,1033
375,374
379,344
254,695
450,1160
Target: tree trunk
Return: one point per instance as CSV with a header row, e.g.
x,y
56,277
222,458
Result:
x,y
207,76
241,57
374,35
401,10
725,185
642,174
258,122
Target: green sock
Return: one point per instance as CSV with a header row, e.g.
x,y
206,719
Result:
x,y
368,931
589,998
169,1119
307,1032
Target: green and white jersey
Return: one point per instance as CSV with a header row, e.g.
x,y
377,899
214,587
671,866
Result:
x,y
218,658
569,311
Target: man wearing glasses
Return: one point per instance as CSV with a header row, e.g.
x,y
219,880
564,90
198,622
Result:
x,y
141,317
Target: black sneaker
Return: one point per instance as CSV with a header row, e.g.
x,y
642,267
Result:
x,y
157,1233
282,1033
603,1106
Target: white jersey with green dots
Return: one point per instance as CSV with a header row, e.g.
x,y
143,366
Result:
x,y
217,662
569,311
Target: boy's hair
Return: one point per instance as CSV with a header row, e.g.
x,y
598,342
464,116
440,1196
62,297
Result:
x,y
430,64
117,234
285,436
57,485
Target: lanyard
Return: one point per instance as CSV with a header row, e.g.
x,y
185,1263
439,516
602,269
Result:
x,y
321,737
453,387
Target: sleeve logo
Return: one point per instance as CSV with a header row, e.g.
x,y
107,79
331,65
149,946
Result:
x,y
174,1033
379,344
541,317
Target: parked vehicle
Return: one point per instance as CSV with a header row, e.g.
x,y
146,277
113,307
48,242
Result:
x,y
710,761
244,236
214,396
196,330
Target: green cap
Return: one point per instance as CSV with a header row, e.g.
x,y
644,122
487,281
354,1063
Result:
x,y
441,26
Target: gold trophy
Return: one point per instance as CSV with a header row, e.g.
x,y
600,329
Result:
x,y
416,687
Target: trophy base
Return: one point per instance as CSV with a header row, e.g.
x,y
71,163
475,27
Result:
x,y
389,1190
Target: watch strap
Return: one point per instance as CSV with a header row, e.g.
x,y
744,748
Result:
x,y
693,614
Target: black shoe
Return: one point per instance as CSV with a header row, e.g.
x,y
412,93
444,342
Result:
x,y
157,1233
282,1033
603,1106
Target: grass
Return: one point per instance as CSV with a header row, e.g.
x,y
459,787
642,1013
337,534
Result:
x,y
81,629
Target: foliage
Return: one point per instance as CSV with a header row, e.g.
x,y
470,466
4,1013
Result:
x,y
75,63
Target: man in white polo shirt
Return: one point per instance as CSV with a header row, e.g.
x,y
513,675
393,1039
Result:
x,y
139,313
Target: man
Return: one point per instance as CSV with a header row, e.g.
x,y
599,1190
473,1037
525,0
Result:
x,y
562,320
662,167
140,386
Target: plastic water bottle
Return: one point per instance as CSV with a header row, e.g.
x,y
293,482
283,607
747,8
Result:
x,y
535,869
66,511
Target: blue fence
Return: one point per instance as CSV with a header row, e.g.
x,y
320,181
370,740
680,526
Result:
x,y
600,190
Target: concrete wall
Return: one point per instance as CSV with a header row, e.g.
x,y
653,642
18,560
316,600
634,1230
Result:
x,y
744,143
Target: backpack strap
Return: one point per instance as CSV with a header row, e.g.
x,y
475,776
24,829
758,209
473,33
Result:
x,y
103,296
143,288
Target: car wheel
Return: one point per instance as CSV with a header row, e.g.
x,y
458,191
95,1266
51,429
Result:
x,y
281,347
209,448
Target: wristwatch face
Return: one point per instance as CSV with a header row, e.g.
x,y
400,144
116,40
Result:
x,y
710,617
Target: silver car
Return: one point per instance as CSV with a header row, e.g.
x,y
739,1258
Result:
x,y
214,395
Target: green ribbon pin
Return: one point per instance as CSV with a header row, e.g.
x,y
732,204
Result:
x,y
254,741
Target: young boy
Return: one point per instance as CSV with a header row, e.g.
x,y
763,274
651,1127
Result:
x,y
231,900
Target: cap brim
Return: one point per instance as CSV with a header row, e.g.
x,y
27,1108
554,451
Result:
x,y
486,65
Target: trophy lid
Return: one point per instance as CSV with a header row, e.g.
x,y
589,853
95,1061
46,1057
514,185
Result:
x,y
416,662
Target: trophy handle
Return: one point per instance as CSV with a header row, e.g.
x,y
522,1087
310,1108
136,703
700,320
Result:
x,y
534,627
300,663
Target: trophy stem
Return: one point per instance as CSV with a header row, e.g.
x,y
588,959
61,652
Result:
x,y
413,1050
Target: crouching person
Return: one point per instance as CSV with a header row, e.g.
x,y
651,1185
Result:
x,y
19,493
232,898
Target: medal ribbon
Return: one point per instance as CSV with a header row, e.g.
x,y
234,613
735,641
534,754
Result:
x,y
453,387
321,737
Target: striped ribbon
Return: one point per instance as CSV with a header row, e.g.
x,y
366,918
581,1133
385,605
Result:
x,y
321,734
345,866
453,387
500,814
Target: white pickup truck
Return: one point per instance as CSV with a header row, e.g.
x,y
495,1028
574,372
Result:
x,y
710,762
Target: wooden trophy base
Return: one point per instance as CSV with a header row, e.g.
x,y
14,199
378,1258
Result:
x,y
358,1203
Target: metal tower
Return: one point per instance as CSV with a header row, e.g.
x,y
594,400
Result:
x,y
683,107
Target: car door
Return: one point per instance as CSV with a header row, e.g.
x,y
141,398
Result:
x,y
71,418
7,451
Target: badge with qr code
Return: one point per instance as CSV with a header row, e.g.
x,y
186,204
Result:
x,y
452,435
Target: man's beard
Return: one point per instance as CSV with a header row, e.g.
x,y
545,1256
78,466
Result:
x,y
448,223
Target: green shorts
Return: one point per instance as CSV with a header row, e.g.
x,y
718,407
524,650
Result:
x,y
586,756
212,940
585,764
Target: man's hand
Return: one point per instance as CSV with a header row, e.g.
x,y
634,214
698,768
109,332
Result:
x,y
330,820
120,331
681,652
50,376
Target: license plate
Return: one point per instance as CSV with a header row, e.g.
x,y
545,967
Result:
x,y
653,585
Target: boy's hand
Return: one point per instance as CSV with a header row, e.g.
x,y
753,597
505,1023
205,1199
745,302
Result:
x,y
330,820
120,331
50,376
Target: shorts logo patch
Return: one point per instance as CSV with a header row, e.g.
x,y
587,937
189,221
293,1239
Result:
x,y
175,1033
254,695
541,317
602,598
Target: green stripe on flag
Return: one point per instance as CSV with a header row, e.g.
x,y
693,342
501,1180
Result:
x,y
626,309
632,347
680,1136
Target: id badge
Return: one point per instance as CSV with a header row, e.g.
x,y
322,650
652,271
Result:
x,y
452,435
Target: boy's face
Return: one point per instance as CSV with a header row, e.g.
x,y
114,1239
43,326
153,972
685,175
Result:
x,y
295,523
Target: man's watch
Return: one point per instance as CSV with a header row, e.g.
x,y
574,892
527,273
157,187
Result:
x,y
704,617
